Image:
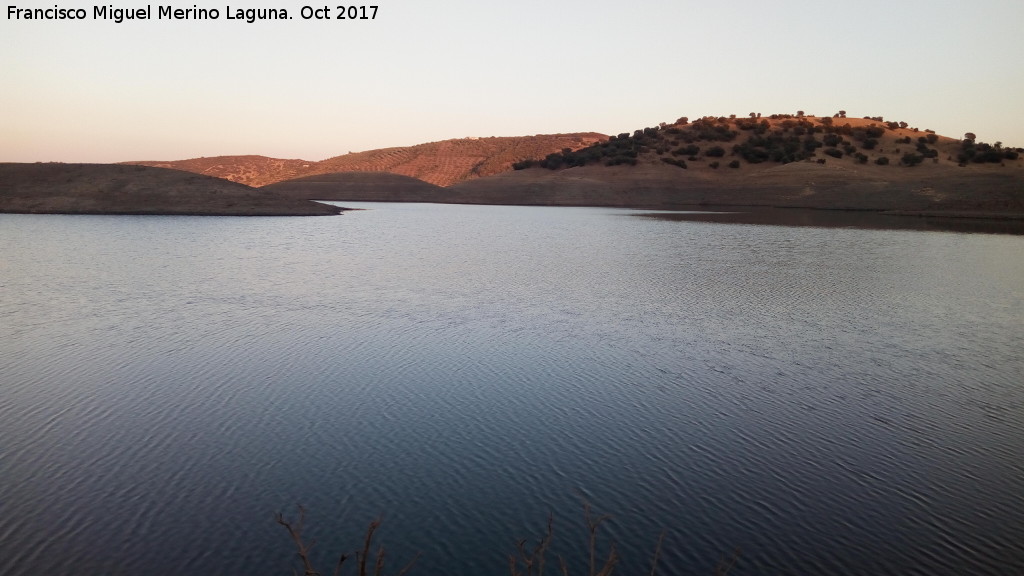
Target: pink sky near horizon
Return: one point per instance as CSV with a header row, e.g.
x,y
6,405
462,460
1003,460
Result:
x,y
96,91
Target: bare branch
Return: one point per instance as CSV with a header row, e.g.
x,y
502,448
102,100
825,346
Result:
x,y
295,531
657,552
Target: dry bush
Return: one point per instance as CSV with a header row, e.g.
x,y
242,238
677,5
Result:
x,y
525,561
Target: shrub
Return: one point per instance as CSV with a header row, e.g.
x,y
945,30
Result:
x,y
715,152
861,158
620,160
734,164
552,161
834,152
882,160
874,131
911,159
714,164
674,162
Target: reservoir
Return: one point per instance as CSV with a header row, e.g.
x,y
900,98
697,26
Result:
x,y
821,400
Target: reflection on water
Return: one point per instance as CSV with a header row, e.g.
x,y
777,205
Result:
x,y
842,219
834,401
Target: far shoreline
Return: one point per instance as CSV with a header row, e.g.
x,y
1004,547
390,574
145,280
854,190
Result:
x,y
846,218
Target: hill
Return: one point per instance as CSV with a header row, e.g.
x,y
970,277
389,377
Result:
x,y
54,188
792,161
358,186
441,163
782,161
249,170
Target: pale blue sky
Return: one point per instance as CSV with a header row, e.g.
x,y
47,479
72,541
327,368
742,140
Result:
x,y
96,91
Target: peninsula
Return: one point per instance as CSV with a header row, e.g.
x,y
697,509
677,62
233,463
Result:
x,y
57,188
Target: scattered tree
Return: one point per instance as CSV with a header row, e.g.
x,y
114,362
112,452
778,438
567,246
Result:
x,y
911,159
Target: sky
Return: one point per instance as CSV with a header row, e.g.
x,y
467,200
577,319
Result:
x,y
99,91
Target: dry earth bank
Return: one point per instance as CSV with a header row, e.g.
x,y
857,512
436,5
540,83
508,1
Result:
x,y
50,188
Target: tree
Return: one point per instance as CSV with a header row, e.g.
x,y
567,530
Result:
x,y
911,159
970,137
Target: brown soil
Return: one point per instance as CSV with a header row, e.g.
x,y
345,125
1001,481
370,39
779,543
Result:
x,y
359,186
53,188
981,191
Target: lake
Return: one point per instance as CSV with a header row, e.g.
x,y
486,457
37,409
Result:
x,y
823,400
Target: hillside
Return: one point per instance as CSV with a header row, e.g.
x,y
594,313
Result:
x,y
249,170
54,188
786,161
441,163
358,186
782,160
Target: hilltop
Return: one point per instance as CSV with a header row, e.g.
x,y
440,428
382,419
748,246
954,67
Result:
x,y
54,188
440,163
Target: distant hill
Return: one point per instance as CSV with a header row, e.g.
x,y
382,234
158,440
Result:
x,y
55,188
358,186
780,160
248,170
441,163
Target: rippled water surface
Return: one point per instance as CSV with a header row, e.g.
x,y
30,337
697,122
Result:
x,y
828,401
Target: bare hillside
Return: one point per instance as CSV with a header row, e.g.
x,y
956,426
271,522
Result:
x,y
55,188
440,163
358,186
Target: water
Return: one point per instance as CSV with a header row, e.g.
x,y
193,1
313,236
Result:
x,y
833,401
